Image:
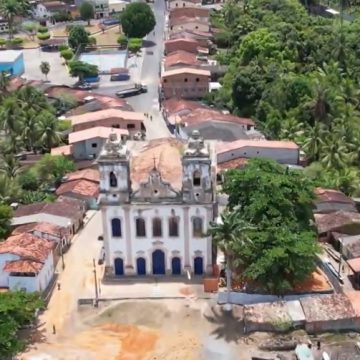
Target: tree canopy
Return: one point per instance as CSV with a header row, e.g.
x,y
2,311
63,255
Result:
x,y
276,205
17,309
137,20
87,11
78,37
81,69
298,76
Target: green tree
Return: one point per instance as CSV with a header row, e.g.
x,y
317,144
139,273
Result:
x,y
87,11
9,165
78,37
4,83
49,135
277,203
17,309
67,54
9,190
9,9
45,68
137,20
9,115
81,69
29,180
5,221
134,45
122,40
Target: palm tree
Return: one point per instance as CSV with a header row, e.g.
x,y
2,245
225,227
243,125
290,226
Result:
x,y
47,126
29,129
9,189
229,232
30,98
9,115
11,8
291,129
4,82
45,68
346,180
9,165
313,140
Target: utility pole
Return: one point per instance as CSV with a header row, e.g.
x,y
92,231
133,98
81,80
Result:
x,y
96,285
61,250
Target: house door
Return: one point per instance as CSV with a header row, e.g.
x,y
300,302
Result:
x,y
158,260
198,266
176,266
119,266
141,266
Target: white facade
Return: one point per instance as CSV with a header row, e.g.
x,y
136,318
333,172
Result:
x,y
156,229
40,11
38,282
173,4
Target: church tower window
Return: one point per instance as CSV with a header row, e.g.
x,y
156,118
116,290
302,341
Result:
x,y
113,179
156,227
116,227
197,226
196,178
140,227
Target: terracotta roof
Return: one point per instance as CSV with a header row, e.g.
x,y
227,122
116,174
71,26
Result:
x,y
327,308
186,70
27,246
57,208
201,115
354,264
336,221
85,174
54,5
180,57
95,132
26,228
179,20
107,114
48,228
23,266
75,203
175,105
189,12
178,40
331,195
190,34
232,164
65,150
238,144
82,187
167,154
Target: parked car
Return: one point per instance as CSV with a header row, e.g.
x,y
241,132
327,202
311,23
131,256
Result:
x,y
134,90
82,85
109,22
120,77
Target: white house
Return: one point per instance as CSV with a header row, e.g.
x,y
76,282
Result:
x,y
26,263
156,206
173,4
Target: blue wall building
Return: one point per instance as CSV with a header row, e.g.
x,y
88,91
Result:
x,y
12,61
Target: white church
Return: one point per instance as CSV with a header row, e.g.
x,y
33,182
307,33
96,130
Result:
x,y
157,199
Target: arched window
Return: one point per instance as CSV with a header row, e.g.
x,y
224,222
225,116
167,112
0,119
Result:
x,y
116,227
174,226
197,227
140,227
196,178
156,227
113,180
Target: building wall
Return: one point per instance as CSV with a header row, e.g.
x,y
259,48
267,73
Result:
x,y
283,156
183,3
37,283
117,7
131,125
192,25
82,150
181,45
129,247
187,86
40,11
4,276
14,68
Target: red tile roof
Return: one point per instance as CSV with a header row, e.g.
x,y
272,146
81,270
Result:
x,y
338,221
65,150
232,164
95,132
23,266
185,19
180,57
354,265
191,12
81,187
27,246
26,228
43,227
201,115
331,195
85,174
175,105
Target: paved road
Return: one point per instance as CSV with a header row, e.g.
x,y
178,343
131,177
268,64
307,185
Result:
x,y
148,102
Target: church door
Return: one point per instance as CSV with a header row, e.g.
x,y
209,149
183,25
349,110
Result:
x,y
176,266
158,262
141,266
198,266
119,266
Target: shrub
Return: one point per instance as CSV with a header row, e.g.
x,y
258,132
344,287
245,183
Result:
x,y
62,47
122,40
67,54
28,180
43,36
134,44
63,125
92,40
2,42
42,29
62,16
16,41
223,39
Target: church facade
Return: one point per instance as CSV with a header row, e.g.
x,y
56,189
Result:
x,y
157,199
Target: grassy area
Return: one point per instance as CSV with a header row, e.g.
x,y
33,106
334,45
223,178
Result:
x,y
61,31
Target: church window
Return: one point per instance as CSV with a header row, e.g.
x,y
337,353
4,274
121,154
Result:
x,y
140,227
174,226
156,227
116,227
113,180
196,178
197,226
